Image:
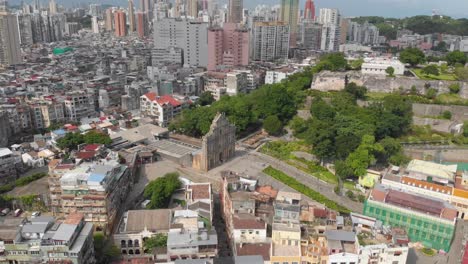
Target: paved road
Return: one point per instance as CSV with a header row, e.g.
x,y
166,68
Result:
x,y
311,181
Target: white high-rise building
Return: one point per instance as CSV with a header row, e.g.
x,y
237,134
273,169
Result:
x,y
52,7
329,15
95,24
10,52
190,36
331,33
270,41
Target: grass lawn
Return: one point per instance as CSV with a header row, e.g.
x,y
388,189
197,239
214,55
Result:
x,y
441,77
371,96
298,186
448,98
283,150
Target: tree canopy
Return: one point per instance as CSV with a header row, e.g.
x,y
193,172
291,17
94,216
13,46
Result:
x,y
412,56
339,128
455,57
159,240
431,69
71,140
273,125
159,191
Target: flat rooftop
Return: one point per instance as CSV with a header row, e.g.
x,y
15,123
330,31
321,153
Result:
x,y
414,203
153,220
172,148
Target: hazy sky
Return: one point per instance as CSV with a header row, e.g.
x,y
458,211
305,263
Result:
x,y
387,8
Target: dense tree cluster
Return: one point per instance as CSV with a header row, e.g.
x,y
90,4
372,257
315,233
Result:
x,y
412,56
355,136
418,24
268,103
159,191
71,140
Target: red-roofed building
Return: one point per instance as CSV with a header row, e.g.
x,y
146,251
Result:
x,y
161,108
465,255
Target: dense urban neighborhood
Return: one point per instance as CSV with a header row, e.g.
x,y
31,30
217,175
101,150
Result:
x,y
205,132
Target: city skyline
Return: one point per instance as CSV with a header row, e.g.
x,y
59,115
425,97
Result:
x,y
386,8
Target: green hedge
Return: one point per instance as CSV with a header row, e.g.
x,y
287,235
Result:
x,y
22,182
296,185
26,180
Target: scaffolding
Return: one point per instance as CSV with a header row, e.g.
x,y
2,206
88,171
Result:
x,y
431,232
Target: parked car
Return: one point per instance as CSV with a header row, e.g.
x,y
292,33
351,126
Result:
x,y
5,211
18,212
36,214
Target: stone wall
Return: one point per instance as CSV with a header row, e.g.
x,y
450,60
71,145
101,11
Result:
x,y
459,113
334,81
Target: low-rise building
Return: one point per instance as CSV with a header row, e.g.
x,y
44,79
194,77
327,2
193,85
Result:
x,y
286,243
9,165
278,75
138,225
379,66
162,109
429,221
199,198
45,240
188,244
96,186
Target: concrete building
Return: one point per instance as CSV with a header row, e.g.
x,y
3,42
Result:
x,y
5,131
366,34
188,35
142,24
120,23
236,82
199,198
52,7
187,244
289,14
131,17
9,164
162,109
25,29
383,254
43,239
109,22
248,229
286,243
311,35
138,225
309,10
429,221
79,105
235,11
10,52
331,33
95,24
96,186
270,41
171,55
237,199
227,46
277,75
72,28
192,8
342,247
378,66
218,145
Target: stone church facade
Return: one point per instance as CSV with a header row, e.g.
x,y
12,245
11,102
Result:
x,y
218,145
